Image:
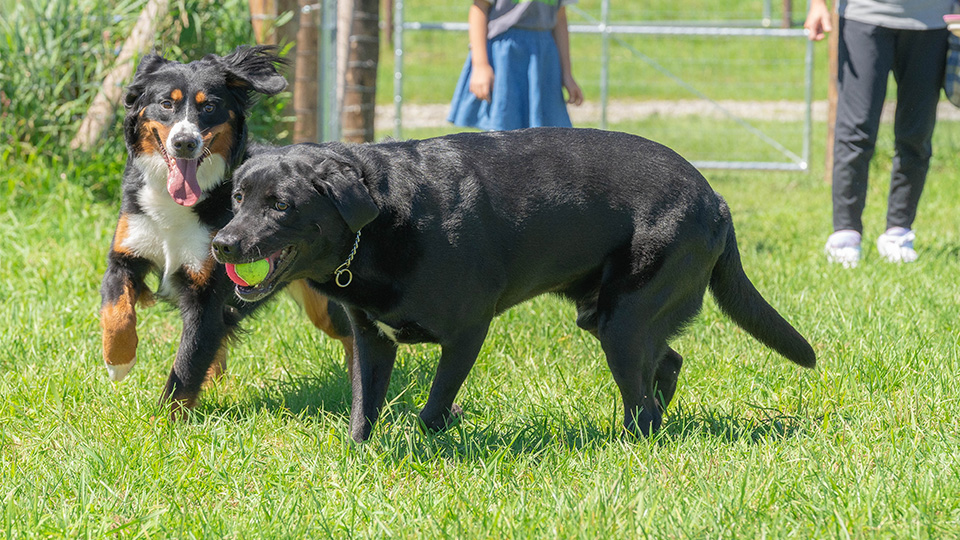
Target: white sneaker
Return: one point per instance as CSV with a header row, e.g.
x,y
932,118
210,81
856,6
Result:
x,y
843,247
896,245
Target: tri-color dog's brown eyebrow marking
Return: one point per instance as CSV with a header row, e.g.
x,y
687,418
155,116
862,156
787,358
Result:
x,y
201,97
176,95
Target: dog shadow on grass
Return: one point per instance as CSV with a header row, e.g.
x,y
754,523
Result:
x,y
752,424
326,392
481,433
543,434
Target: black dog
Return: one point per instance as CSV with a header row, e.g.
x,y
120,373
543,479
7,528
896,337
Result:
x,y
185,131
459,228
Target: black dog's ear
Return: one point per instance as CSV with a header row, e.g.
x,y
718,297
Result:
x,y
350,196
148,65
255,69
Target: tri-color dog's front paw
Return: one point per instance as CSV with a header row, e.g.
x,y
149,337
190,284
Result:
x,y
119,372
181,404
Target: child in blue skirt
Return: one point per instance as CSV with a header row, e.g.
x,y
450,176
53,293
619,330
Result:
x,y
519,62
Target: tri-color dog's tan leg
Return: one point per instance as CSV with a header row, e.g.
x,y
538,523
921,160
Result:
x,y
120,291
317,307
219,366
118,319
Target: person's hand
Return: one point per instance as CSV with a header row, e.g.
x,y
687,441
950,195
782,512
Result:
x,y
481,81
574,93
819,20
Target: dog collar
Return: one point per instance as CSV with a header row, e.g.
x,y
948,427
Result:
x,y
343,271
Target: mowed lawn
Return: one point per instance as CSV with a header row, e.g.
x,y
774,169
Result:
x,y
864,446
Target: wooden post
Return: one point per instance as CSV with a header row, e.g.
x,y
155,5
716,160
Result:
x,y
386,11
360,77
305,83
287,33
786,18
833,41
263,17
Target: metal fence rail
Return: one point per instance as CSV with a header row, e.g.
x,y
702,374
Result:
x,y
613,32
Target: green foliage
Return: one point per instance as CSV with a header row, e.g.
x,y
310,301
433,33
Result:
x,y
54,55
862,447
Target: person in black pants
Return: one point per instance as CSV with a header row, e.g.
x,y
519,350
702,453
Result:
x,y
909,38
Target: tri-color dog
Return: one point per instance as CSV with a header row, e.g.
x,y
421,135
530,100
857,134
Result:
x,y
459,228
185,131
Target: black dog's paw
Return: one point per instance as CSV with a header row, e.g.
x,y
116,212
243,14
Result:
x,y
645,423
667,374
440,422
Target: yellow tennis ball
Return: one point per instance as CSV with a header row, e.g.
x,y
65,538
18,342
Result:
x,y
254,272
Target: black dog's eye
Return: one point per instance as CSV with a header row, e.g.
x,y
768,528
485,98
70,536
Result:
x,y
209,108
166,104
281,206
238,197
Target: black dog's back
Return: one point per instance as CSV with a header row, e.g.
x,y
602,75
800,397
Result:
x,y
497,193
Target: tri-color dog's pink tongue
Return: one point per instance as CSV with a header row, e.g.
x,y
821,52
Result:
x,y
182,181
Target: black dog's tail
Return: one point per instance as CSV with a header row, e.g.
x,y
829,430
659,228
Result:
x,y
742,302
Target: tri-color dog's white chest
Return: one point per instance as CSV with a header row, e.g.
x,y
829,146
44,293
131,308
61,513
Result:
x,y
166,233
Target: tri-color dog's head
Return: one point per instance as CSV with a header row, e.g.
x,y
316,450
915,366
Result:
x,y
186,123
300,207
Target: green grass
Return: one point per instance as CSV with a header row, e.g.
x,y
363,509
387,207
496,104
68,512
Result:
x,y
863,447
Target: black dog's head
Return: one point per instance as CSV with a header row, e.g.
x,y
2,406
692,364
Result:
x,y
186,123
299,207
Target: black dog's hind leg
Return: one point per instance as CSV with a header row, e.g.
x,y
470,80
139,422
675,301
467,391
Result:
x,y
634,334
633,353
668,370
666,379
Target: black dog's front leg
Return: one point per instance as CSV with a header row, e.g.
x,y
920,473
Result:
x,y
457,359
373,359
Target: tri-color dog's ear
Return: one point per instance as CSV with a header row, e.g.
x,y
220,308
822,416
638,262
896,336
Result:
x,y
350,196
148,65
255,69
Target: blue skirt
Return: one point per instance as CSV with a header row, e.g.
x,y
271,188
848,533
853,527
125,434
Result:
x,y
527,85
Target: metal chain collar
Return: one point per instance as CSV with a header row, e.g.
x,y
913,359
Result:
x,y
344,269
